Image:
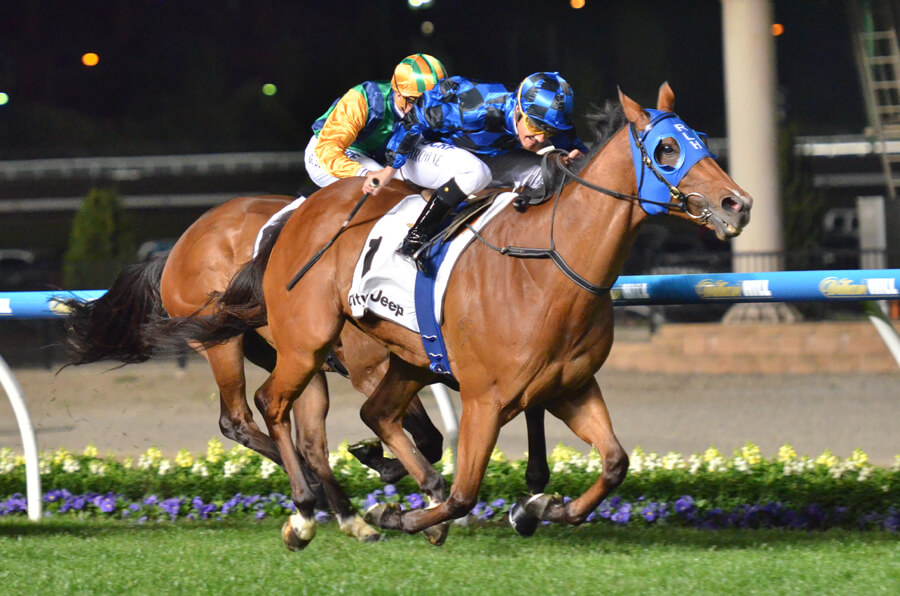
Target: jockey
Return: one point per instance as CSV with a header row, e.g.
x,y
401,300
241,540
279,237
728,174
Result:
x,y
463,136
350,138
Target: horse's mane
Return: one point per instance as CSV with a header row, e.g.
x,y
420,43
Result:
x,y
603,122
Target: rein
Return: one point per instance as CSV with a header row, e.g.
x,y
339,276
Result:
x,y
552,254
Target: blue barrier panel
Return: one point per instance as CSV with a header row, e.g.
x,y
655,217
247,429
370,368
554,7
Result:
x,y
771,286
40,305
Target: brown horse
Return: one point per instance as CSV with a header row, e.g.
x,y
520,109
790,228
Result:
x,y
519,332
200,264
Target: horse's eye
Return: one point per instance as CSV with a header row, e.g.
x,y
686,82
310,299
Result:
x,y
666,153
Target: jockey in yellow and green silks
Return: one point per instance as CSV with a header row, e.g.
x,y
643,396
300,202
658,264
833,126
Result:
x,y
350,138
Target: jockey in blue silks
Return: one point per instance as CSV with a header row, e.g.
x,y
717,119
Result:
x,y
463,136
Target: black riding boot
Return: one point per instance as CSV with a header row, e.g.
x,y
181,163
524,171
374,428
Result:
x,y
445,199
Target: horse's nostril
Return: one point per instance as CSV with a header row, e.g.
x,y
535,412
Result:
x,y
731,204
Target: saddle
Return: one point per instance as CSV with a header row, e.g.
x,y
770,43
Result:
x,y
467,211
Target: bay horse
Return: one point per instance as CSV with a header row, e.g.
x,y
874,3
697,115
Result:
x,y
520,332
202,261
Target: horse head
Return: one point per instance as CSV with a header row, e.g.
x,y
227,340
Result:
x,y
676,172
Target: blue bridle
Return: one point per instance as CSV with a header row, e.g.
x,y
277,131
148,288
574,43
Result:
x,y
658,190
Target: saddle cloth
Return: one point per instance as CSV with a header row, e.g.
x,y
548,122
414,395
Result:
x,y
383,281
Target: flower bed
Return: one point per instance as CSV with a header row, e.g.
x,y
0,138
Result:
x,y
705,490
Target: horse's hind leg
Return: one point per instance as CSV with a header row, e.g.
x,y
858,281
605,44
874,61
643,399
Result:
x,y
537,473
235,419
310,411
586,414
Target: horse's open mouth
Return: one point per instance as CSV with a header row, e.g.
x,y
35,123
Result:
x,y
723,229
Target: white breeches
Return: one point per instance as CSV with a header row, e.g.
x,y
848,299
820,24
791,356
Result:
x,y
322,178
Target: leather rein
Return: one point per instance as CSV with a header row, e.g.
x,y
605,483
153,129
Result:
x,y
552,254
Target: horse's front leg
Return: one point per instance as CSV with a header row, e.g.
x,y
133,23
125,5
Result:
x,y
478,430
586,414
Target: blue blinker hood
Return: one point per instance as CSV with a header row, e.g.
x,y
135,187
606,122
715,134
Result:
x,y
692,146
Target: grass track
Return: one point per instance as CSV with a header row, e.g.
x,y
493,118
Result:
x,y
246,557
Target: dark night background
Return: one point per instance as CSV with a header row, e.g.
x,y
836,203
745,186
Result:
x,y
184,76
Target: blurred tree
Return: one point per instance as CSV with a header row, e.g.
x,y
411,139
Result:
x,y
101,242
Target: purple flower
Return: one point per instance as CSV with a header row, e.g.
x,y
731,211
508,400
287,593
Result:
x,y
171,506
498,504
685,504
390,490
320,517
106,504
415,501
261,514
650,513
622,516
151,500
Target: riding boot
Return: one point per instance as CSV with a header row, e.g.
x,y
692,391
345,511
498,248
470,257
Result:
x,y
445,199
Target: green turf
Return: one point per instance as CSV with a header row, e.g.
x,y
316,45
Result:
x,y
247,557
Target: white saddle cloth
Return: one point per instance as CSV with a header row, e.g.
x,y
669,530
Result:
x,y
384,282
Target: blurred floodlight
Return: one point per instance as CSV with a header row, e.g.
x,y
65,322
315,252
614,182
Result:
x,y
415,4
777,29
427,28
269,89
4,98
90,59
576,4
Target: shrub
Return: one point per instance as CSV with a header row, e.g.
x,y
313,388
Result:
x,y
101,242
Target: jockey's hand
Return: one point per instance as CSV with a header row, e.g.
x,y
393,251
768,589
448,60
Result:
x,y
375,181
573,155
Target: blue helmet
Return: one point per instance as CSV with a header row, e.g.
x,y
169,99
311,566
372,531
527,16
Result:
x,y
547,101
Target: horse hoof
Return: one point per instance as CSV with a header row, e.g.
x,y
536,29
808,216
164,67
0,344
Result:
x,y
297,532
437,534
366,449
356,527
384,515
522,522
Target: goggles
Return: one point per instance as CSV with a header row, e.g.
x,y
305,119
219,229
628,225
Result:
x,y
537,127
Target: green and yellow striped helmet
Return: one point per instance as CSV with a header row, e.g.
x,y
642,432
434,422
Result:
x,y
417,74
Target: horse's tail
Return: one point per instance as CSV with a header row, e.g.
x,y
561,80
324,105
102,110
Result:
x,y
109,328
239,309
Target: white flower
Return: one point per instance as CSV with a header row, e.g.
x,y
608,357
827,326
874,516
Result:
x,y
7,460
267,467
695,462
864,473
70,465
44,466
97,468
741,464
164,466
673,461
232,467
200,469
717,464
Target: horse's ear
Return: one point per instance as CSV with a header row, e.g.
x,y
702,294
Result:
x,y
666,99
633,111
